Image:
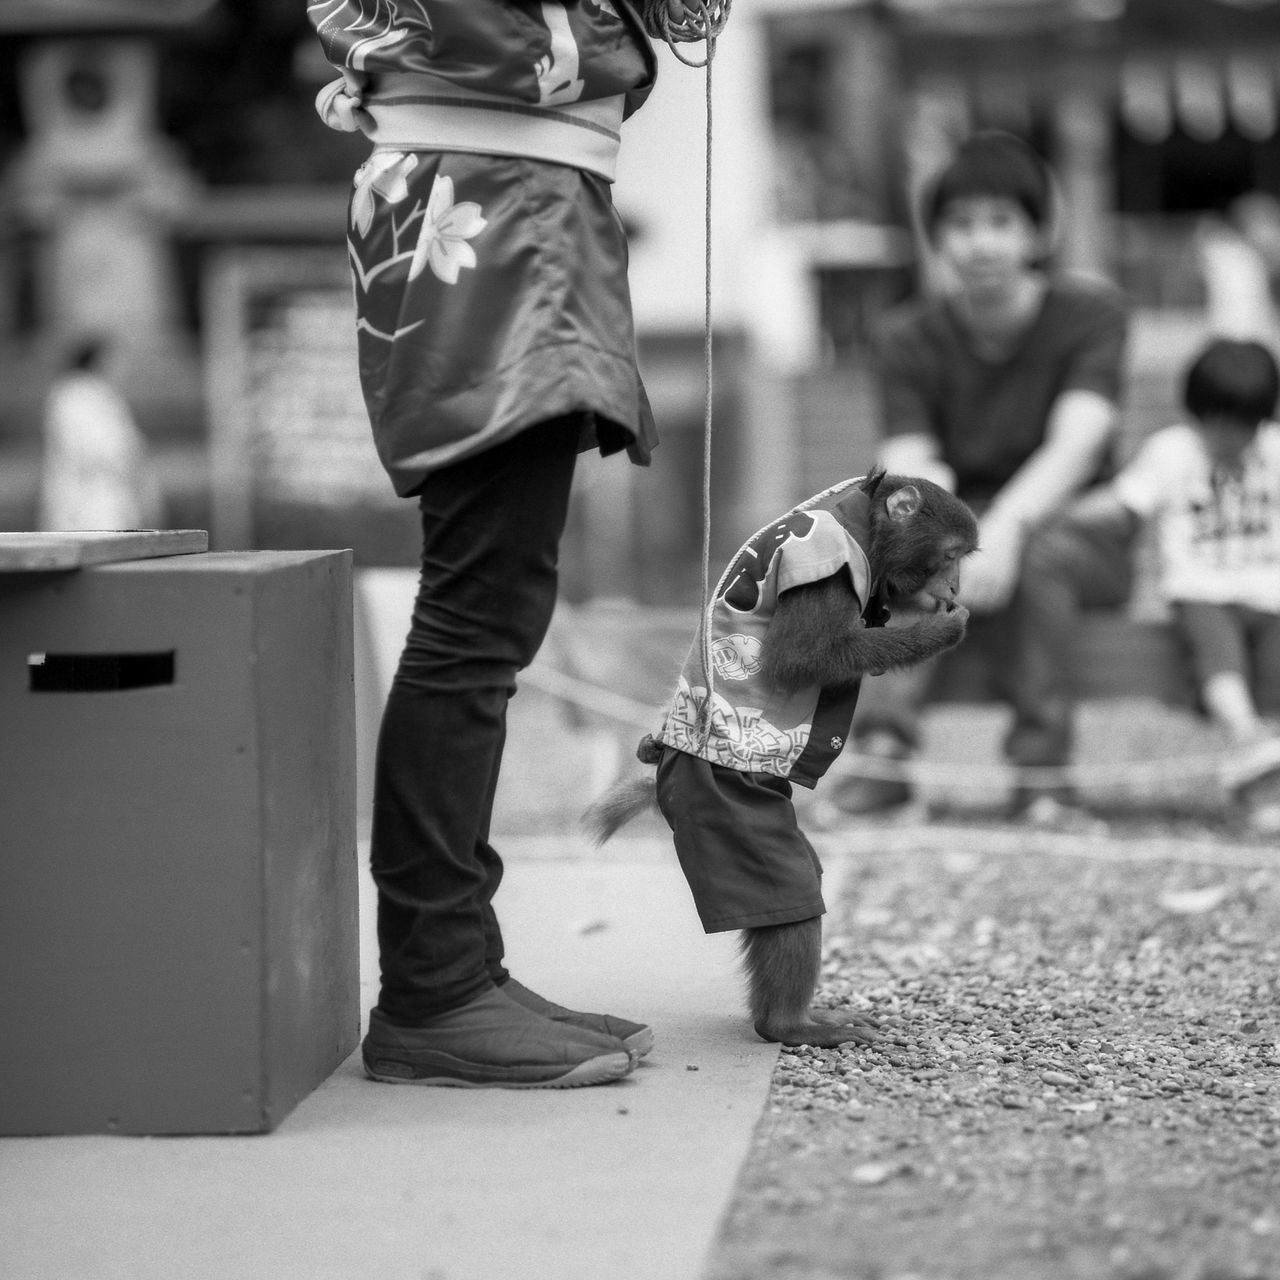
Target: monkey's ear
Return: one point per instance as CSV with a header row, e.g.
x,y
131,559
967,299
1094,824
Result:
x,y
902,504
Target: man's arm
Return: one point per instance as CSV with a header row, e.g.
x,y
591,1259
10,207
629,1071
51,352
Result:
x,y
1105,508
916,454
1080,429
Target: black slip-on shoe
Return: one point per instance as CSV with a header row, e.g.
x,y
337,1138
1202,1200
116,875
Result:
x,y
491,1042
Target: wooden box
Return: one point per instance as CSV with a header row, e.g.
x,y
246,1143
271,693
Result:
x,y
178,913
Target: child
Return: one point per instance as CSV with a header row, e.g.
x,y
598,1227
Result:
x,y
1211,489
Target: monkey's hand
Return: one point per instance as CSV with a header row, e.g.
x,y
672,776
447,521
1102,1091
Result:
x,y
891,648
817,637
946,626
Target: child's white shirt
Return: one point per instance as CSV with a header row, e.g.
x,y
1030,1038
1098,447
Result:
x,y
1218,534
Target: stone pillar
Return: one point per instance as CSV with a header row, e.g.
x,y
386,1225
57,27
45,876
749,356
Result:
x,y
1082,130
103,185
936,120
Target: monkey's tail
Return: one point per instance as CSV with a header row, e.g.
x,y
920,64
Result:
x,y
622,802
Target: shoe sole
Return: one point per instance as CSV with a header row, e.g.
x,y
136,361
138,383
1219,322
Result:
x,y
601,1070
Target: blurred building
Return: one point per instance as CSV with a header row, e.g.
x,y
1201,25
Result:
x,y
158,157
1161,118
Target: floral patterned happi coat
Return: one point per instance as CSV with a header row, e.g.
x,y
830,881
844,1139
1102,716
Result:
x,y
491,289
491,295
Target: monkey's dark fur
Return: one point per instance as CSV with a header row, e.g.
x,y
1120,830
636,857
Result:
x,y
919,534
623,801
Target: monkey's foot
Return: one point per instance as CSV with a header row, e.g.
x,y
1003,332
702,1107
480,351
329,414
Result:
x,y
824,1034
844,1018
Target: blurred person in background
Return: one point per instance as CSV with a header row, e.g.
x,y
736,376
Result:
x,y
1004,388
1239,259
95,470
1210,486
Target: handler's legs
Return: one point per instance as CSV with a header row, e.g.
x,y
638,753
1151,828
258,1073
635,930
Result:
x,y
636,1037
491,530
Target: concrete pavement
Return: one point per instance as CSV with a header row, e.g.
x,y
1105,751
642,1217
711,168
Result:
x,y
410,1183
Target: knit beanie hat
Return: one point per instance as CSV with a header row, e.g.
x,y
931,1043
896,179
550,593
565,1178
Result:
x,y
991,163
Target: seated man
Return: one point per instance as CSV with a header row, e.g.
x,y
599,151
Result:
x,y
1004,389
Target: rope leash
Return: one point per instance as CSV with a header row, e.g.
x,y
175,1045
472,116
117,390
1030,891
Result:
x,y
1115,778
1021,842
705,25
1119,777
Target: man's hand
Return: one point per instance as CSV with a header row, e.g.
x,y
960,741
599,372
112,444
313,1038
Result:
x,y
990,575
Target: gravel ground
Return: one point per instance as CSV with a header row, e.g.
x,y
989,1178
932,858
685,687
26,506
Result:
x,y
1077,1075
1078,1078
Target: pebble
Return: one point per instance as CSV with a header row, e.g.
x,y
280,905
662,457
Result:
x,y
873,1173
1058,1078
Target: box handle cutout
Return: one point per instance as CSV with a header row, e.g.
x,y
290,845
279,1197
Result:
x,y
98,672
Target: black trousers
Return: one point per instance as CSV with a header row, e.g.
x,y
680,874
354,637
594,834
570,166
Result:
x,y
491,529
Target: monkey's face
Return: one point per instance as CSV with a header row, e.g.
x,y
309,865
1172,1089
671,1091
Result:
x,y
933,583
919,538
943,584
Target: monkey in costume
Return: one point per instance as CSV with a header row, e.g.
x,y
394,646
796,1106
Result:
x,y
795,622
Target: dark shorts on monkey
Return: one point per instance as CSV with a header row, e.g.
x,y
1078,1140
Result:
x,y
747,862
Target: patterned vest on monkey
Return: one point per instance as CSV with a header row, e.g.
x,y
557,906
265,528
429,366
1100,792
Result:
x,y
754,727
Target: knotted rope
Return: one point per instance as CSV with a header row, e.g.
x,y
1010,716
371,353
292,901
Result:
x,y
1149,778
706,23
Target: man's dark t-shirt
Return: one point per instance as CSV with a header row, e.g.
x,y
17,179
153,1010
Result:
x,y
989,416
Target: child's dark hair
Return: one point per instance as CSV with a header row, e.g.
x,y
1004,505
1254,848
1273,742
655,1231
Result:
x,y
991,163
1232,378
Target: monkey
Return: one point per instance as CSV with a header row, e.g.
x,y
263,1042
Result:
x,y
796,621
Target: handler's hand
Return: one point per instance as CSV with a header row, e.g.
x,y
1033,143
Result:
x,y
679,10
